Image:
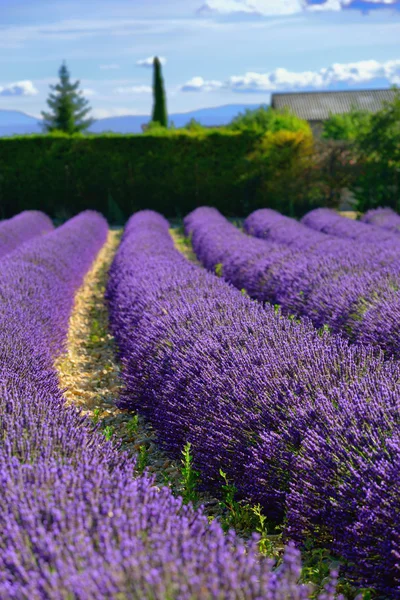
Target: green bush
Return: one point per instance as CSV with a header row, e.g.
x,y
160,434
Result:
x,y
281,172
265,118
374,153
347,126
378,150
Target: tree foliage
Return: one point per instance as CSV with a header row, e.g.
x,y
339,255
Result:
x,y
194,125
265,118
381,140
280,170
68,106
374,152
377,152
160,106
346,126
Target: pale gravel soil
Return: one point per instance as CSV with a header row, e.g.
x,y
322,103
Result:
x,y
90,373
183,245
350,214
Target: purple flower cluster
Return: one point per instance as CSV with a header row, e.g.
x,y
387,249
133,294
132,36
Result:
x,y
334,282
271,225
383,217
74,520
329,221
302,422
21,228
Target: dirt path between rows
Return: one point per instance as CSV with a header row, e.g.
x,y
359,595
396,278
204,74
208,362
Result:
x,y
90,374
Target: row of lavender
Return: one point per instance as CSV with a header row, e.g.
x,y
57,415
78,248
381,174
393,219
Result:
x,y
350,286
74,520
384,225
362,294
327,231
22,228
385,218
354,245
300,421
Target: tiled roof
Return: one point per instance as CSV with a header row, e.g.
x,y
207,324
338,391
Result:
x,y
317,105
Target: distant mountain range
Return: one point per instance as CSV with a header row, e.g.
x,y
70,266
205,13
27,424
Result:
x,y
13,122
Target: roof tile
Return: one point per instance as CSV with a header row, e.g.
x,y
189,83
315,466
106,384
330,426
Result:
x,y
317,105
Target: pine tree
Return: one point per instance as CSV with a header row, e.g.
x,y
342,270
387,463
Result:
x,y
68,106
159,107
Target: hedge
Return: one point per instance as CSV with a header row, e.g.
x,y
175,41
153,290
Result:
x,y
120,174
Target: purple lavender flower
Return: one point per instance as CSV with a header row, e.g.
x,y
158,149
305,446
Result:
x,y
329,221
386,218
75,522
300,421
21,228
335,282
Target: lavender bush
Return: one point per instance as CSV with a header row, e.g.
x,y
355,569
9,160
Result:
x,y
334,282
329,221
300,421
386,218
21,228
271,225
75,522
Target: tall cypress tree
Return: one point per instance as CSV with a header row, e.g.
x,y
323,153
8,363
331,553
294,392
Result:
x,y
159,106
69,107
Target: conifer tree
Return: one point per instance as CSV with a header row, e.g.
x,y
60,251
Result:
x,y
159,107
68,105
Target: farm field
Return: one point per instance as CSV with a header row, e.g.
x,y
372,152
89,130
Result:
x,y
204,411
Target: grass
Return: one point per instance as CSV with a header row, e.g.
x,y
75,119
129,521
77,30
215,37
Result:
x,y
183,243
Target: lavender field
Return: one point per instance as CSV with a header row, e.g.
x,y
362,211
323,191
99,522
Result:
x,y
202,412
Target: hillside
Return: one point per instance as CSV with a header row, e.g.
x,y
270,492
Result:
x,y
13,122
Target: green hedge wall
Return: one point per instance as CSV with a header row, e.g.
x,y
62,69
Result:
x,y
120,174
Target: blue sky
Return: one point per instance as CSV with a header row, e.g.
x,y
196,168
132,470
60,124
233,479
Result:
x,y
215,51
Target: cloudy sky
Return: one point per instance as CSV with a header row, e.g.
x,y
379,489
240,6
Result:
x,y
214,52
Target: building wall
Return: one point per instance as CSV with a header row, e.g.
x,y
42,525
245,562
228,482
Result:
x,y
317,127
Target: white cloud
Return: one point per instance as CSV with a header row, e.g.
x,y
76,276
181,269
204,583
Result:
x,y
198,84
148,62
20,88
260,7
362,71
109,67
134,89
37,115
103,113
88,92
276,7
282,79
274,80
334,5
